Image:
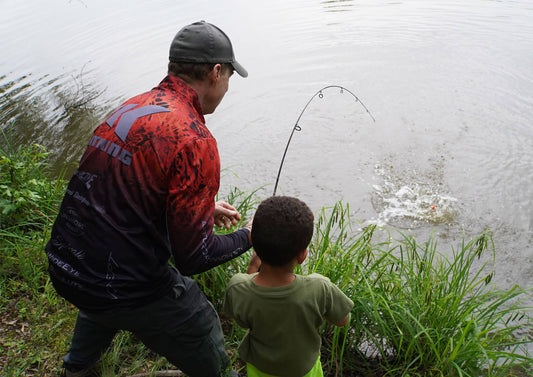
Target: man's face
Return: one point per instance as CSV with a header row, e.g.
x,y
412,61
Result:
x,y
218,89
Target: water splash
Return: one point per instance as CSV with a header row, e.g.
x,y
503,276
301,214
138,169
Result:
x,y
408,201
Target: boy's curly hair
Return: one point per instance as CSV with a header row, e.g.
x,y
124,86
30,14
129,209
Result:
x,y
282,227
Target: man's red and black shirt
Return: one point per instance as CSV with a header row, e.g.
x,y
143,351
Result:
x,y
144,192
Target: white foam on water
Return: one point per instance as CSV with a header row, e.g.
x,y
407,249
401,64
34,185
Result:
x,y
402,202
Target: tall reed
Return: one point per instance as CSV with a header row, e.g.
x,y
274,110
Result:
x,y
418,312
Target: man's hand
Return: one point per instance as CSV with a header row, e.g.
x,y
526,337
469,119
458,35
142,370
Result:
x,y
225,215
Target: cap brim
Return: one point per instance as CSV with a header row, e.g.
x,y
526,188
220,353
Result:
x,y
239,69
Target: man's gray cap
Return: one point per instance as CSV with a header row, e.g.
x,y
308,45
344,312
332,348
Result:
x,y
202,42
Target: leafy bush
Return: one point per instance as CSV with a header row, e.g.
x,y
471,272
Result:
x,y
27,197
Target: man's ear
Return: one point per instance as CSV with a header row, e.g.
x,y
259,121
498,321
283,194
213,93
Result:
x,y
214,74
301,256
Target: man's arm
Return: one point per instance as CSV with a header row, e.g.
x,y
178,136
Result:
x,y
191,212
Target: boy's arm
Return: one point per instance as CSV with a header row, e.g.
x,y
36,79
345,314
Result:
x,y
254,265
343,321
338,306
229,306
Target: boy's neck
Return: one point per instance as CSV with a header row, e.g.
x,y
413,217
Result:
x,y
275,276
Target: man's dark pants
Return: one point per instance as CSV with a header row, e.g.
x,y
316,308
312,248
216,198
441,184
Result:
x,y
182,326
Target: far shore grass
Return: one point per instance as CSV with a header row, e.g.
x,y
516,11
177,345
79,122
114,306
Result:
x,y
418,311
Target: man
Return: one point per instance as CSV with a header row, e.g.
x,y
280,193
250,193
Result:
x,y
143,193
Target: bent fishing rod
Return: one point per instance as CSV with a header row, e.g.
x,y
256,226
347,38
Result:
x,y
297,127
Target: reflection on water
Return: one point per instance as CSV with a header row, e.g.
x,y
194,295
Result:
x,y
52,113
337,5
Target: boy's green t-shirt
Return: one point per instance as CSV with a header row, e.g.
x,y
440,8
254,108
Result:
x,y
283,337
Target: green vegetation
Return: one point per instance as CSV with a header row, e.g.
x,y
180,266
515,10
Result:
x,y
417,312
34,320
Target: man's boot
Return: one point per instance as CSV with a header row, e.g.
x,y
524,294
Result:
x,y
89,372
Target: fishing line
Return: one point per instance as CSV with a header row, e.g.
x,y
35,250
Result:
x,y
296,127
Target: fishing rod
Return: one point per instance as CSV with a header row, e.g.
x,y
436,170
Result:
x,y
296,127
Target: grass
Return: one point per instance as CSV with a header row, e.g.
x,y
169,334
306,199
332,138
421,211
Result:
x,y
417,312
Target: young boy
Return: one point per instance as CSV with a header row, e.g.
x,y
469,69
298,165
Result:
x,y
283,311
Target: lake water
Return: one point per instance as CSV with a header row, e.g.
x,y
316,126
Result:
x,y
449,83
